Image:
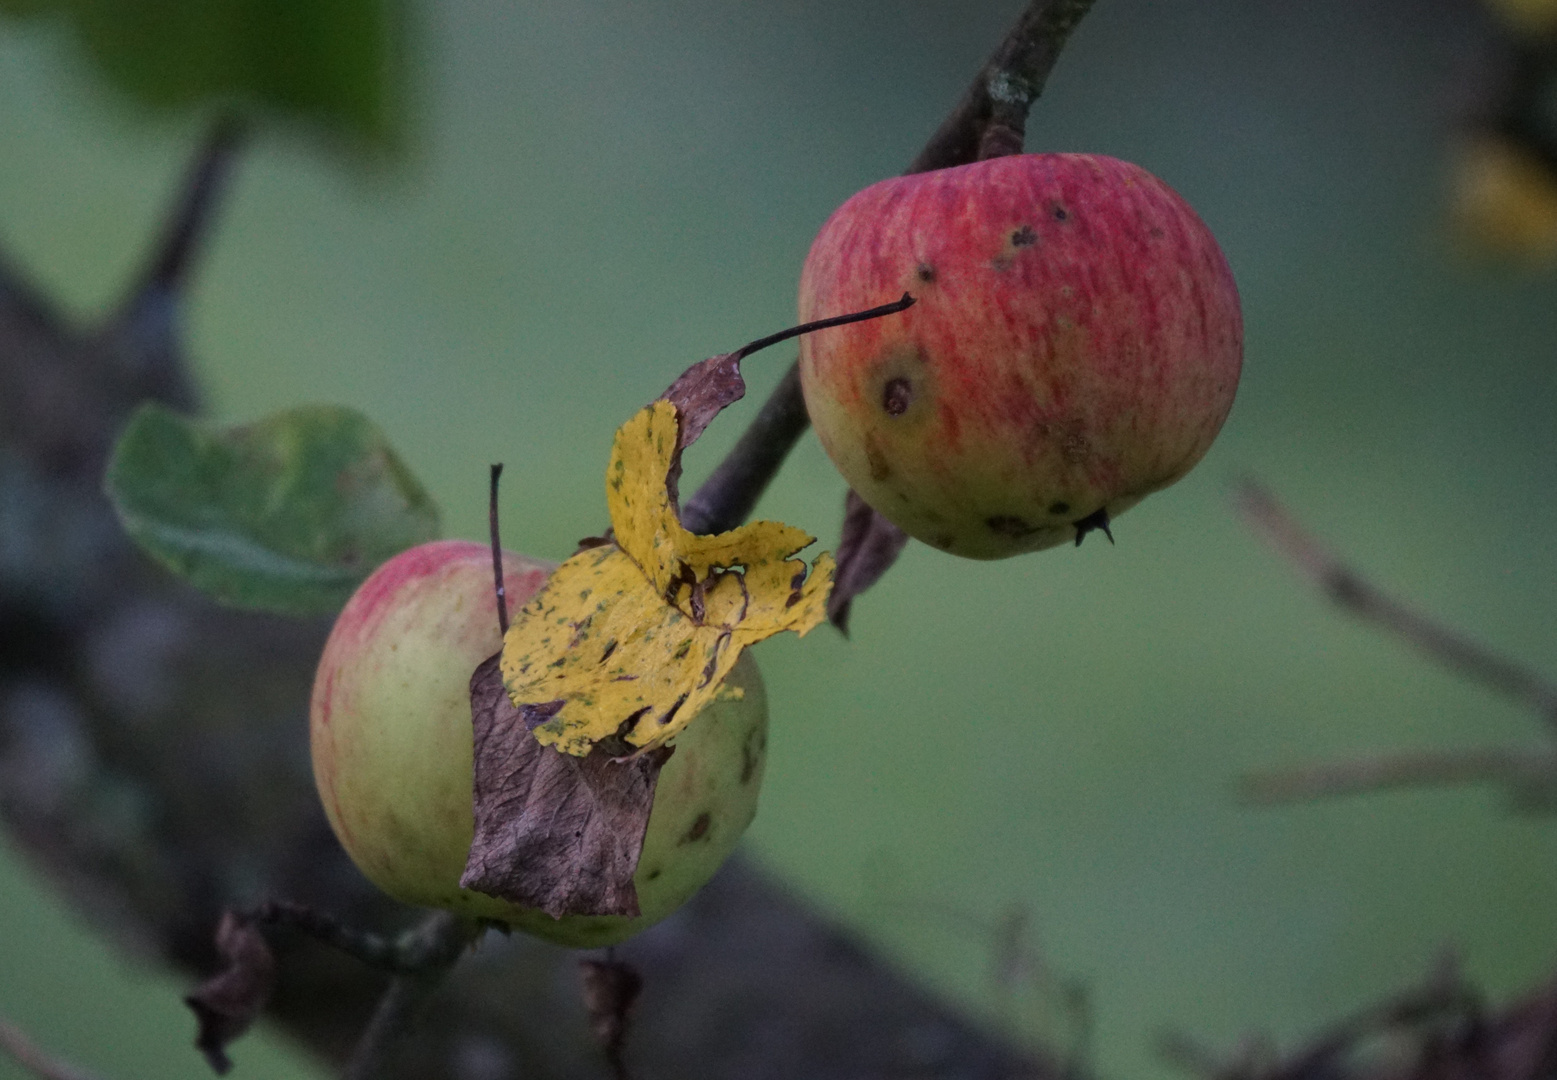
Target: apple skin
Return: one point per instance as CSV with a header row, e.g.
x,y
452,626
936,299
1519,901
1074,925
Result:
x,y
1075,346
391,736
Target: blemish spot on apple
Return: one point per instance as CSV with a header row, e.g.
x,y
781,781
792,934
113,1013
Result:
x,y
751,755
1060,213
699,828
1060,506
1024,237
897,396
925,273
880,468
1010,525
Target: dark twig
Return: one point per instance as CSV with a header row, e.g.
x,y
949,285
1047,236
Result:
x,y
1443,997
991,119
611,989
730,493
501,591
1526,772
31,1057
401,955
142,337
988,122
1350,590
427,954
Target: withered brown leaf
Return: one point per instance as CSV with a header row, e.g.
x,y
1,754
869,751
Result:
x,y
553,831
228,1003
870,544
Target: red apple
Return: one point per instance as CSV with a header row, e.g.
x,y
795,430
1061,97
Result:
x,y
391,735
1075,346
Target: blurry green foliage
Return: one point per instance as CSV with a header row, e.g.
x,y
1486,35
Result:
x,y
288,514
338,63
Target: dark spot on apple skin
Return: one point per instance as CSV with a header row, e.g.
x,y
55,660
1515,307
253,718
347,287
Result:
x,y
897,396
751,755
880,467
653,874
1060,507
1024,237
1010,525
1060,213
699,829
925,273
1156,233
944,542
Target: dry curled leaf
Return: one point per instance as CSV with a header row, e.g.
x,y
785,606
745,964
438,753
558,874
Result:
x,y
228,1003
870,544
554,832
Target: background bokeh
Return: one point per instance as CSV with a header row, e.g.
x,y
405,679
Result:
x,y
599,195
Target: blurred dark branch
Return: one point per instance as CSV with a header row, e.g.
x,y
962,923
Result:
x,y
172,257
988,122
1443,1020
1347,588
31,1057
435,942
1530,775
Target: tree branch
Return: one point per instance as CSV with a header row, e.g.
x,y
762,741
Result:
x,y
1348,589
1530,775
31,1057
989,121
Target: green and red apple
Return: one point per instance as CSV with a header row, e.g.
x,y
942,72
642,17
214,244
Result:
x,y
392,739
1075,346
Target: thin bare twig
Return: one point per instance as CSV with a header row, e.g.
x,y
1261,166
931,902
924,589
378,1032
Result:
x,y
402,955
1344,586
1443,997
989,121
1523,771
30,1056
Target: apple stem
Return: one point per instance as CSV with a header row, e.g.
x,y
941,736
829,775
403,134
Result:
x,y
901,304
497,551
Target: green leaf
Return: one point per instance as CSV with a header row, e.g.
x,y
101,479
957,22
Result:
x,y
288,514
339,63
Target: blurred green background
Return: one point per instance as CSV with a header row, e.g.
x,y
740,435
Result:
x,y
595,196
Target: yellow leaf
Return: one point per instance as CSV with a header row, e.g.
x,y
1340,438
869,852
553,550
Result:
x,y
635,637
